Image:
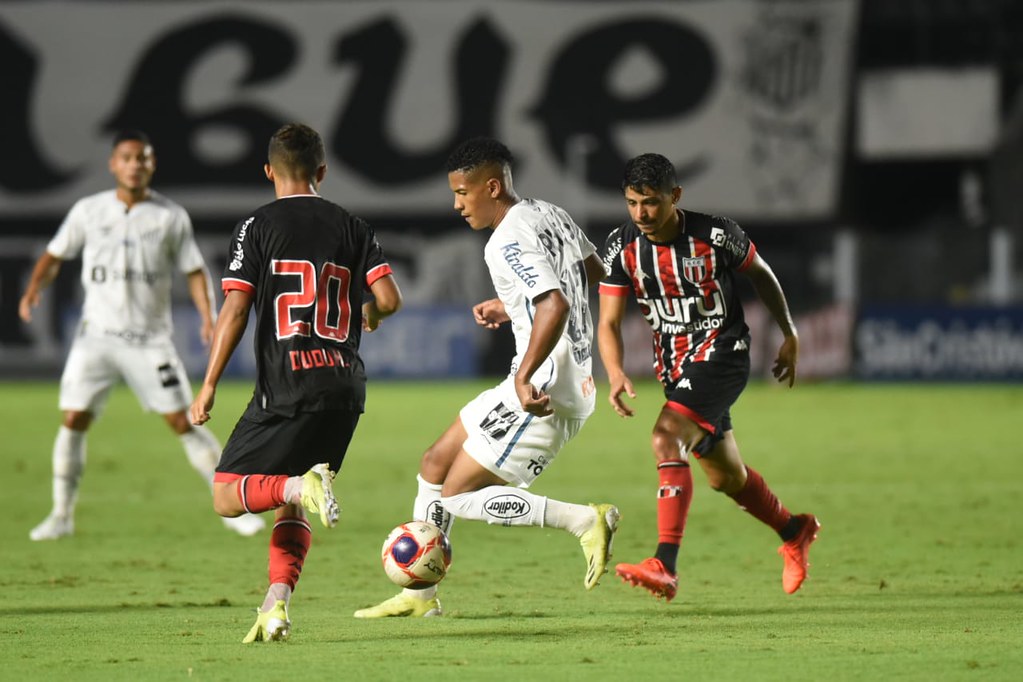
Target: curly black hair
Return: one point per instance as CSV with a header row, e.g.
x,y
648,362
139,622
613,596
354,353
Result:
x,y
476,152
649,170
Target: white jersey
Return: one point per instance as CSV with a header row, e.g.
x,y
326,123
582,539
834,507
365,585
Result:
x,y
128,262
537,247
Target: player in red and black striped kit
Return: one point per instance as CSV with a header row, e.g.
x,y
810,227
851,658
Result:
x,y
304,264
680,267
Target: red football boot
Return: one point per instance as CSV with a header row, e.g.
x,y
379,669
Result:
x,y
796,551
651,575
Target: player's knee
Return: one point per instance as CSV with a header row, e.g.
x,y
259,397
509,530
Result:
x,y
178,421
667,446
77,421
434,465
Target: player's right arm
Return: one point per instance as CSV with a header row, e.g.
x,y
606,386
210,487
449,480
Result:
x,y
43,274
490,313
612,351
234,316
550,315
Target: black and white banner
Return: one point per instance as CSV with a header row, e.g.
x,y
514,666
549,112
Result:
x,y
748,98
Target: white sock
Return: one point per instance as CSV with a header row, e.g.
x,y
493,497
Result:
x,y
203,451
277,592
293,490
498,504
428,507
575,518
425,593
68,465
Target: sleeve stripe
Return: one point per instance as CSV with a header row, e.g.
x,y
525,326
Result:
x,y
376,273
231,284
749,258
614,289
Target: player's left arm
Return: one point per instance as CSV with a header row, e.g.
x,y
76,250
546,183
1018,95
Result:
x,y
386,301
234,317
200,288
770,292
551,310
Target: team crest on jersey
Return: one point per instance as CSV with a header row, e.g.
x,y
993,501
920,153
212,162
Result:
x,y
694,269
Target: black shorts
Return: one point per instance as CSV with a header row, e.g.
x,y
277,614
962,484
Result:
x,y
705,394
288,445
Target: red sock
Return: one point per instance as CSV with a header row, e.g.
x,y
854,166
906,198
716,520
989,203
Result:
x,y
260,493
289,543
673,498
758,500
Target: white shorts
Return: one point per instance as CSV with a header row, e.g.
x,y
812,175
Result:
x,y
511,443
153,371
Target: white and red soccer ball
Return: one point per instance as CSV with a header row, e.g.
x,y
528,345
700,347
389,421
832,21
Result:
x,y
416,555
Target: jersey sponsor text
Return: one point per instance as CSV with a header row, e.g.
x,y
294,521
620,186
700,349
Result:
x,y
676,315
513,255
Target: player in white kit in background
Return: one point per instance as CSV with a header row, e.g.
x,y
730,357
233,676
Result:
x,y
541,265
131,240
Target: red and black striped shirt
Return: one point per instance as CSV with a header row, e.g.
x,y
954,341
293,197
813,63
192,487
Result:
x,y
685,289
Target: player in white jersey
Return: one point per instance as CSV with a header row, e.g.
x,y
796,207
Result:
x,y
131,241
541,265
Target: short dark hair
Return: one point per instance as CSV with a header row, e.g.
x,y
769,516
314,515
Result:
x,y
476,152
649,170
296,149
130,134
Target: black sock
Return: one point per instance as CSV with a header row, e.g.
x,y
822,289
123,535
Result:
x,y
791,528
667,553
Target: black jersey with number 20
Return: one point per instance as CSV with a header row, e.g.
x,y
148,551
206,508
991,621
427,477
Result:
x,y
308,262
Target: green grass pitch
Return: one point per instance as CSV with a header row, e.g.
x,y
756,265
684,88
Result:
x,y
918,573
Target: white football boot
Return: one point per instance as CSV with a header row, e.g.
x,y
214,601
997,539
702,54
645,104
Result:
x,y
53,527
246,524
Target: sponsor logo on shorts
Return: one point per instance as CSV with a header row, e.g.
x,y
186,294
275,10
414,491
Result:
x,y
128,335
686,384
506,507
168,376
498,422
537,465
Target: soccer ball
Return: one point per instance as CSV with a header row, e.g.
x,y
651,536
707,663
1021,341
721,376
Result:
x,y
416,555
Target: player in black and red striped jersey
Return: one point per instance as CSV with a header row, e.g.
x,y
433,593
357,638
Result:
x,y
680,265
304,264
